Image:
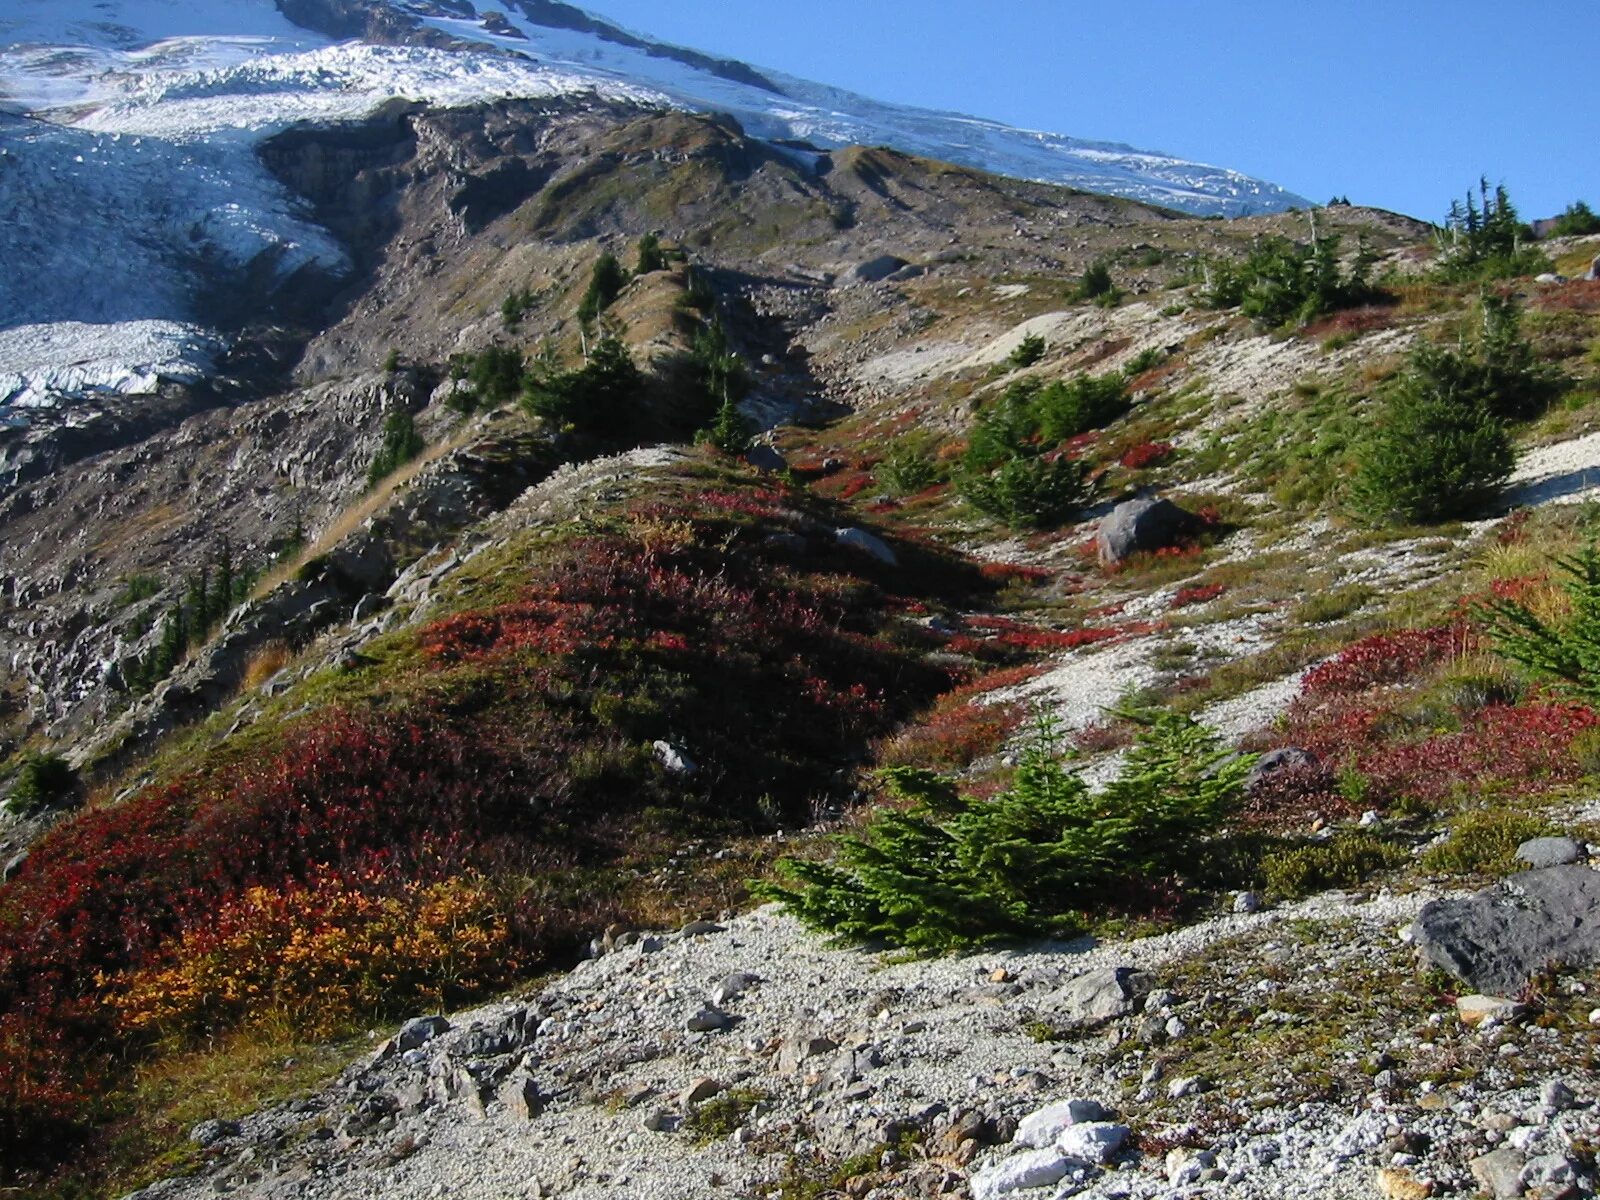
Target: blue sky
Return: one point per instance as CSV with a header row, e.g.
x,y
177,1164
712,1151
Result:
x,y
1401,104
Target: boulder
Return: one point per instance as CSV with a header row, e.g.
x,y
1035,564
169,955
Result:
x,y
709,1020
1032,1169
672,759
419,1030
1551,852
1140,526
1498,938
1499,1173
1285,758
764,458
1042,1127
1593,272
1094,1142
875,270
521,1096
1475,1010
1098,996
867,543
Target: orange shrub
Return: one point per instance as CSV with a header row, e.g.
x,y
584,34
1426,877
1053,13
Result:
x,y
341,949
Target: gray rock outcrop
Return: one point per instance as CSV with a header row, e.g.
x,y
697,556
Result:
x,y
1499,938
1140,526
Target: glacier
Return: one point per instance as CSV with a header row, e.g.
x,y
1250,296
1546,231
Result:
x,y
129,173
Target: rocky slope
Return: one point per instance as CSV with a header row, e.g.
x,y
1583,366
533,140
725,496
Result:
x,y
581,774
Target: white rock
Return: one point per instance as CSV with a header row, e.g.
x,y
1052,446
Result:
x,y
673,760
1041,1128
867,543
1185,1166
1030,1169
1361,1135
1093,1142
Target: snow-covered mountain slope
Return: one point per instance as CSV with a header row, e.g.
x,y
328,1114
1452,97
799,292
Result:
x,y
129,181
831,117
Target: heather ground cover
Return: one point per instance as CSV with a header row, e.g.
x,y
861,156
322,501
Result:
x,y
471,802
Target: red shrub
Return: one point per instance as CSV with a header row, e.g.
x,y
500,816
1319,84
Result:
x,y
1350,321
1387,658
955,735
1146,454
1528,745
1198,594
1000,572
1577,295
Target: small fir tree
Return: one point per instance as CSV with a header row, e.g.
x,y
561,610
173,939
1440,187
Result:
x,y
952,870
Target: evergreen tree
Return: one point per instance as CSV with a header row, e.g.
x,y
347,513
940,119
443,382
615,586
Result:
x,y
1566,648
651,256
1439,451
605,285
599,397
954,871
1483,238
401,443
1578,220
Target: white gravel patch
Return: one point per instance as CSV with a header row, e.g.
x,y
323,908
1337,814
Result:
x,y
1565,473
1255,709
944,1033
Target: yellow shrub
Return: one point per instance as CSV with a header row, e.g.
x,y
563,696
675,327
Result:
x,y
325,955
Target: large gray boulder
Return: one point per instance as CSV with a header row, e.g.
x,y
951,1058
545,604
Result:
x,y
1594,269
1143,525
876,270
1097,996
1496,940
1551,852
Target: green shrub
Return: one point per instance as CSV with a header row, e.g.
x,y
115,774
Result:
x,y
651,256
1030,492
1097,284
401,443
517,304
1282,282
1484,843
1565,649
1344,860
497,374
1438,451
714,1119
907,470
1029,351
139,587
44,781
954,870
1066,408
599,397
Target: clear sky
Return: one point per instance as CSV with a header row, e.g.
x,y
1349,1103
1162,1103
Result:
x,y
1397,103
